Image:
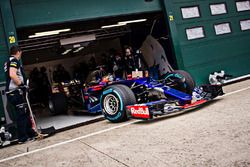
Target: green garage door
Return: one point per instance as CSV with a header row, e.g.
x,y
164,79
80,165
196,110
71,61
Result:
x,y
39,12
3,57
211,35
3,51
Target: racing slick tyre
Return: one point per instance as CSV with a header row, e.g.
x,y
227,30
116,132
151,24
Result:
x,y
58,104
188,85
181,81
114,100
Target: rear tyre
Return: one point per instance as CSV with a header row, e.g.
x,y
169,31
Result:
x,y
58,104
114,100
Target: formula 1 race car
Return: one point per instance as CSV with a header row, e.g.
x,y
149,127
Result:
x,y
141,97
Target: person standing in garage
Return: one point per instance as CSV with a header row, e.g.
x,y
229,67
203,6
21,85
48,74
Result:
x,y
118,67
132,61
15,91
129,60
44,86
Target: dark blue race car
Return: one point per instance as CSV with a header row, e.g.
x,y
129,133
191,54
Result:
x,y
141,98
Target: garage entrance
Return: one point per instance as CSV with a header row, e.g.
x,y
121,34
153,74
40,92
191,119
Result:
x,y
68,52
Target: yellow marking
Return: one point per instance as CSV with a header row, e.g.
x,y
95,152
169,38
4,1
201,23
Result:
x,y
12,39
13,64
171,18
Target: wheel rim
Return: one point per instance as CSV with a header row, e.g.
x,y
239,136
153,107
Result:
x,y
111,104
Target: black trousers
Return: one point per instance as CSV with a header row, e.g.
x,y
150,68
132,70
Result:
x,y
24,125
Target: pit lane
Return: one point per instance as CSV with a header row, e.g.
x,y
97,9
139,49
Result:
x,y
215,135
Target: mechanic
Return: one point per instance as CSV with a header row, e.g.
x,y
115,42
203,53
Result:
x,y
15,91
118,66
60,74
131,60
110,60
44,86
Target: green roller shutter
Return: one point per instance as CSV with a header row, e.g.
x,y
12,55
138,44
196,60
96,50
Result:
x,y
3,56
201,56
40,12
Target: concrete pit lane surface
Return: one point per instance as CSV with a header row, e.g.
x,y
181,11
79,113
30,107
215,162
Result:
x,y
217,134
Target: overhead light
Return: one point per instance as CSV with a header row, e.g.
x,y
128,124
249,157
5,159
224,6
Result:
x,y
123,23
113,25
66,51
131,21
52,32
78,39
48,33
78,49
77,45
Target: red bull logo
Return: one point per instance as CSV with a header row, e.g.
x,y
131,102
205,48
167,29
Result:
x,y
139,111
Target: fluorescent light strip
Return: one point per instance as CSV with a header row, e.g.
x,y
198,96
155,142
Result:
x,y
78,50
53,32
123,23
132,21
113,25
48,33
35,36
66,52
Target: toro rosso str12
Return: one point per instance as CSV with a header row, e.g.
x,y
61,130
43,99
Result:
x,y
145,98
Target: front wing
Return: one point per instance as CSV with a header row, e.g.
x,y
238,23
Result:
x,y
150,110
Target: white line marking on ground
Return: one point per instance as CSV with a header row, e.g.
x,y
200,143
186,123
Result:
x,y
68,141
237,91
92,134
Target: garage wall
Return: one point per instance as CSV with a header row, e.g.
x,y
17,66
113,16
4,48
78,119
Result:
x,y
38,12
3,50
3,56
230,52
7,34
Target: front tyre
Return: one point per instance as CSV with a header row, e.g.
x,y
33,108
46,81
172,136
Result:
x,y
114,100
182,80
189,83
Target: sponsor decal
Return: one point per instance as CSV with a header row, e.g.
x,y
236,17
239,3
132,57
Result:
x,y
139,111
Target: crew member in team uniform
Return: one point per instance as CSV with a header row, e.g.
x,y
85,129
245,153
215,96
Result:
x,y
15,91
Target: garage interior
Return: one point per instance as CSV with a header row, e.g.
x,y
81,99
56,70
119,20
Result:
x,y
75,44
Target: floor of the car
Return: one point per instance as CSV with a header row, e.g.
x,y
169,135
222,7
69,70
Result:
x,y
64,121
